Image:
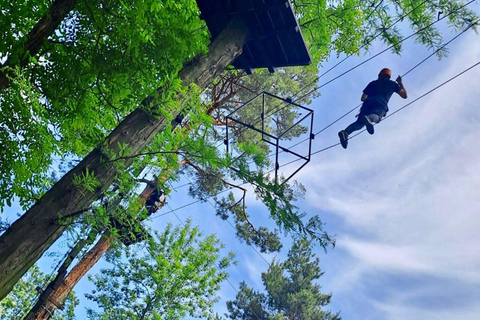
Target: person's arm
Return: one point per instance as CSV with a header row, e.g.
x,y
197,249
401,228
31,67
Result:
x,y
366,92
403,92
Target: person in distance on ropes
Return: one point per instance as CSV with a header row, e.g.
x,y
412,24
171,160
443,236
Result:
x,y
375,103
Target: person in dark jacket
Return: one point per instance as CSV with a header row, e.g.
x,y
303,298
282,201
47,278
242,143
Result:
x,y
375,99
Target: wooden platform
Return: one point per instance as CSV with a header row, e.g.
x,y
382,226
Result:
x,y
275,39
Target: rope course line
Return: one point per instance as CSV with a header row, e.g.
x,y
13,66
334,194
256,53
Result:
x,y
390,47
233,227
256,316
336,144
277,108
400,109
404,74
369,42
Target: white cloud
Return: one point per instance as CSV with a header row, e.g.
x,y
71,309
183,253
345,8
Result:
x,y
408,195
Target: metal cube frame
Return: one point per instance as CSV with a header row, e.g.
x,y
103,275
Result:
x,y
265,135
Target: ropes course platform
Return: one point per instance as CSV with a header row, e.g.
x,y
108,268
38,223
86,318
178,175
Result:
x,y
275,39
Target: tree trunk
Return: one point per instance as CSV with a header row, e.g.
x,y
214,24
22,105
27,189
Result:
x,y
28,238
57,291
77,273
41,31
50,299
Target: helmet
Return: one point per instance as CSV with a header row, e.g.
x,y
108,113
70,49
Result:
x,y
386,72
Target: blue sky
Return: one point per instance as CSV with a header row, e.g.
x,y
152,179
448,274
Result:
x,y
402,203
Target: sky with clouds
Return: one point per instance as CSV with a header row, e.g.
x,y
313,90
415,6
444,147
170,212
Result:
x,y
403,203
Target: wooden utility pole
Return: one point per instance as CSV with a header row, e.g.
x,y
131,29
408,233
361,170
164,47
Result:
x,y
28,237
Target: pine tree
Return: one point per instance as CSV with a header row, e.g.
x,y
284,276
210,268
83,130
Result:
x,y
292,291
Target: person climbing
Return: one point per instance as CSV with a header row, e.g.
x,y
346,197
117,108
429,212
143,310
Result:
x,y
375,103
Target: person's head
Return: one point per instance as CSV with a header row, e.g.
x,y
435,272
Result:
x,y
385,74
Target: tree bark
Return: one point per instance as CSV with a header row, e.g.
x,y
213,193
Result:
x,y
28,237
73,277
41,31
50,299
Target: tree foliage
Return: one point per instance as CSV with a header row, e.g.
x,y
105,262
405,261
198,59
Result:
x,y
176,275
292,291
104,59
107,56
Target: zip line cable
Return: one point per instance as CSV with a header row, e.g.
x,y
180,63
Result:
x,y
406,73
388,48
368,43
336,144
277,109
383,51
396,111
233,227
235,289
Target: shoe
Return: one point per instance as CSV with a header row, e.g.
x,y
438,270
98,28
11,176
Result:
x,y
343,138
366,121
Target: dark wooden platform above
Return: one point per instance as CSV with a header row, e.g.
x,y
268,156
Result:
x,y
275,39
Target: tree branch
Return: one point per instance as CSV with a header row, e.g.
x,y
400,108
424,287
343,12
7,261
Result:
x,y
44,28
242,199
153,153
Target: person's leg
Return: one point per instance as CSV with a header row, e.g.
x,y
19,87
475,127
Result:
x,y
357,125
343,135
375,116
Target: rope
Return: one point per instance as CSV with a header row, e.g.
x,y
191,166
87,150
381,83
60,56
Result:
x,y
405,106
406,73
388,48
277,109
336,144
368,43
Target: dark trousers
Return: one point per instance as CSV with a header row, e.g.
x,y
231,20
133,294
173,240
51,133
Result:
x,y
374,115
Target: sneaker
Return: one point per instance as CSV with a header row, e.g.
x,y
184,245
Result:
x,y
343,138
366,121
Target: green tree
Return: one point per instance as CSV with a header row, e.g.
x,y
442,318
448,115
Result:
x,y
102,60
18,302
292,291
230,86
104,57
177,275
